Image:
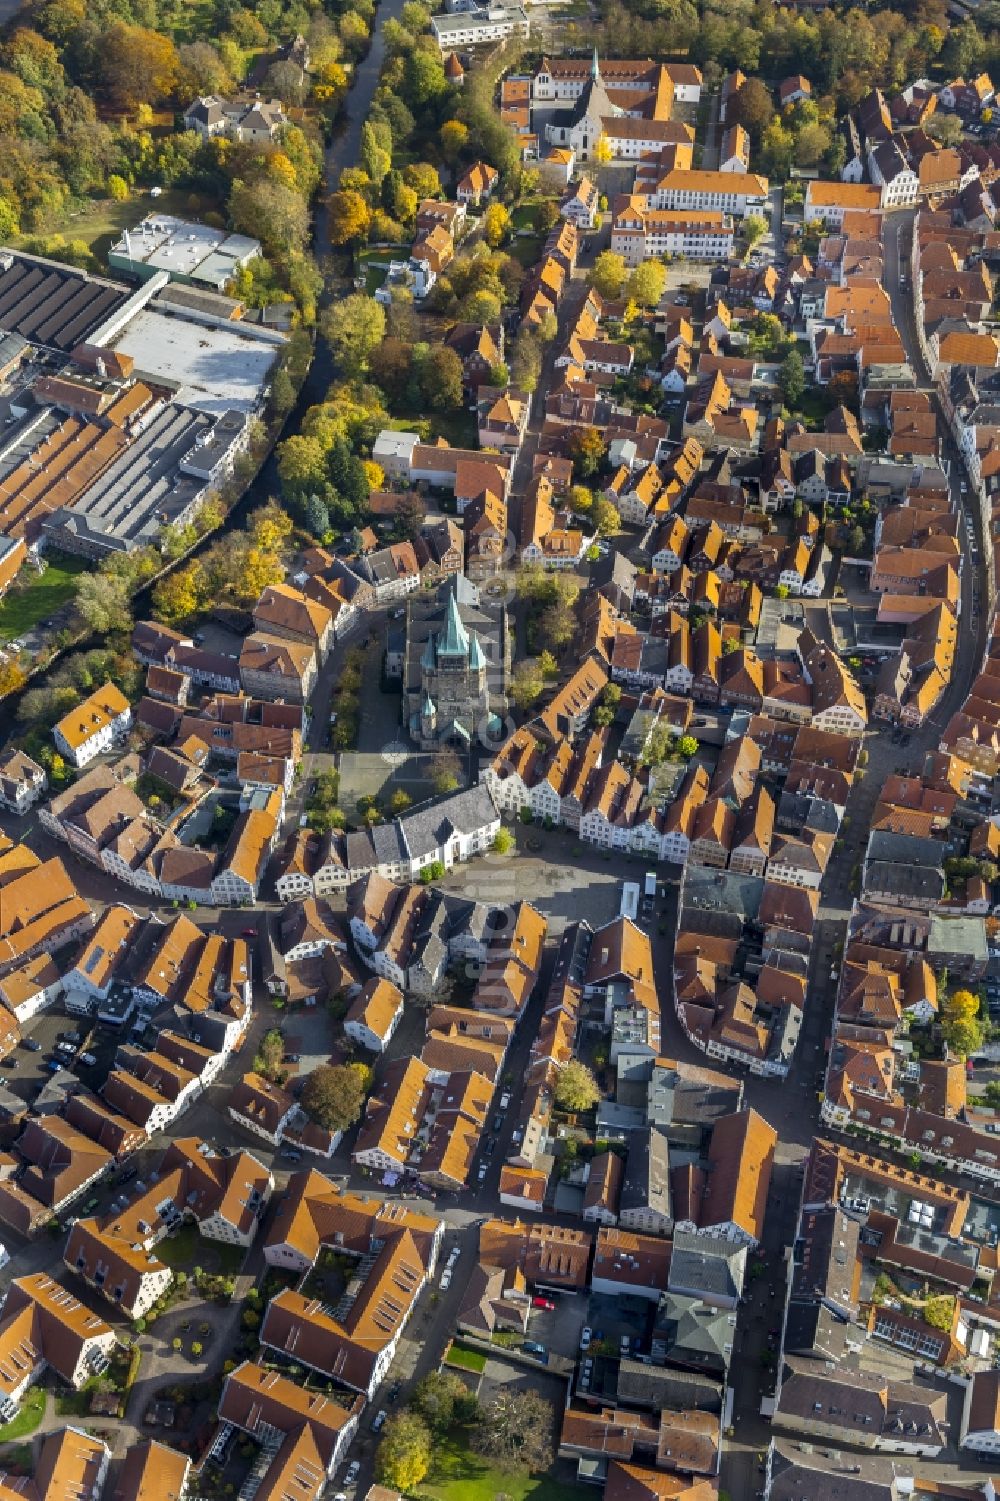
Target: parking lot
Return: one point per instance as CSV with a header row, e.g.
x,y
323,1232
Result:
x,y
558,1329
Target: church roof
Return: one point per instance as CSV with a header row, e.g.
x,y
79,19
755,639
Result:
x,y
476,660
454,641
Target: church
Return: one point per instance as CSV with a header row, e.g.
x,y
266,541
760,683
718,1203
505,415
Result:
x,y
457,664
627,108
582,124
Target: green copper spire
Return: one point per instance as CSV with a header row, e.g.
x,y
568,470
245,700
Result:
x,y
455,640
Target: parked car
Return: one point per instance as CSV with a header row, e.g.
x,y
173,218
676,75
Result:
x,y
445,1282
353,1471
380,1418
73,1037
293,1057
88,1059
498,1123
586,1335
291,1156
543,1303
32,1045
248,933
505,1099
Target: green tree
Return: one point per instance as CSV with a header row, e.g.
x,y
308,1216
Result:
x,y
441,377
333,1095
752,108
274,213
687,746
527,683
604,516
754,228
576,1089
102,600
436,1398
792,378
403,1456
354,328
503,842
376,150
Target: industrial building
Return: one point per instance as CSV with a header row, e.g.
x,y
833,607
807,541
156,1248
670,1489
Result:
x,y
194,254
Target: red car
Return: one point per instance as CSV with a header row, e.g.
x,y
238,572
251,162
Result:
x,y
248,933
543,1303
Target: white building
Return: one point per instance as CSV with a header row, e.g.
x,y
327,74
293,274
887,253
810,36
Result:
x,y
97,725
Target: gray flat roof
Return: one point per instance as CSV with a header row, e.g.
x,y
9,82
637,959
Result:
x,y
56,306
143,488
215,369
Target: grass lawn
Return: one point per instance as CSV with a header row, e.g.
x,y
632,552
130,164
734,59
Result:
x,y
186,1250
76,1404
458,428
812,407
469,1360
36,596
102,221
526,248
31,1414
460,1475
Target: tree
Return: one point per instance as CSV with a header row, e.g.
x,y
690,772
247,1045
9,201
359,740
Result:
x,y
792,377
376,150
585,447
687,746
354,328
442,377
436,1398
117,188
423,79
301,464
576,1088
580,500
333,1095
546,216
557,625
179,596
754,228
135,66
13,678
604,516
961,1027
423,179
444,771
516,1431
453,136
752,108
403,1456
496,223
607,275
399,802
273,212
646,284
103,602
526,684
503,842
350,217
